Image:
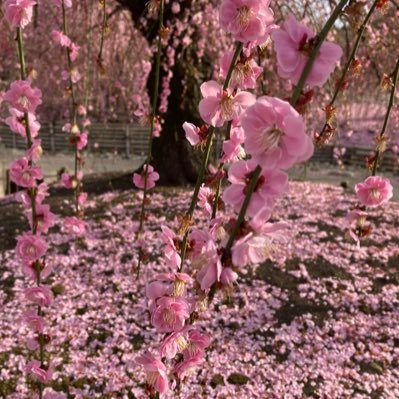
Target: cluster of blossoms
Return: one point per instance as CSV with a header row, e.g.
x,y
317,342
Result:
x,y
265,137
77,130
23,99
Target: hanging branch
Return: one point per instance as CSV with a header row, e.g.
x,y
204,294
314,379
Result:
x,y
152,125
381,138
347,66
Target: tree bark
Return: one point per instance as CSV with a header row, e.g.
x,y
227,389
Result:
x,y
173,157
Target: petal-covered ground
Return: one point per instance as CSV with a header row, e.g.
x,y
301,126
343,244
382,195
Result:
x,y
320,320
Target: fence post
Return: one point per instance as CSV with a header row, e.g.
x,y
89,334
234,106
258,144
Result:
x,y
127,137
52,140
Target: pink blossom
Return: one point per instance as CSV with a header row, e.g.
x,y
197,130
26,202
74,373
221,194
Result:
x,y
174,343
152,177
70,181
23,174
192,133
82,198
271,184
205,199
74,226
275,134
183,368
41,296
179,282
374,191
41,193
44,217
219,106
74,51
156,371
35,152
170,314
33,320
246,20
16,122
81,141
61,38
30,247
23,97
228,276
232,148
35,368
32,343
197,343
18,13
245,72
208,261
170,239
293,44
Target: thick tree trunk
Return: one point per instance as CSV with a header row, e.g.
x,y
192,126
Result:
x,y
173,157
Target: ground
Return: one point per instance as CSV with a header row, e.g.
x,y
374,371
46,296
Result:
x,y
319,320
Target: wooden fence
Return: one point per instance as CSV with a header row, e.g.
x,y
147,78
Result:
x,y
124,139
132,140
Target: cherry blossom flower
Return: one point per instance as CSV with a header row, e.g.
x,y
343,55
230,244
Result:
x,y
35,368
170,314
152,177
210,265
23,97
170,239
245,72
30,247
60,38
275,134
271,184
194,134
23,174
41,295
35,152
219,106
19,13
156,371
183,368
374,191
205,199
16,122
41,193
174,343
74,226
33,320
45,219
293,44
246,20
232,148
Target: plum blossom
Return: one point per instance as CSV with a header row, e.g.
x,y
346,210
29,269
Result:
x,y
246,20
209,264
60,38
35,152
41,193
174,343
195,135
74,226
170,239
23,97
19,13
270,185
170,314
219,106
23,174
293,44
156,371
33,320
35,368
374,191
205,199
275,134
16,123
232,148
45,219
41,295
30,247
152,177
245,72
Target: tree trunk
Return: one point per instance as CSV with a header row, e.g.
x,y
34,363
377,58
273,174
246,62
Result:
x,y
173,157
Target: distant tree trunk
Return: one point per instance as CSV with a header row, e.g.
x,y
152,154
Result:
x,y
173,157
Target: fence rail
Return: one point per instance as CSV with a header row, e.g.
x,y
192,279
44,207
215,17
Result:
x,y
121,138
132,140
